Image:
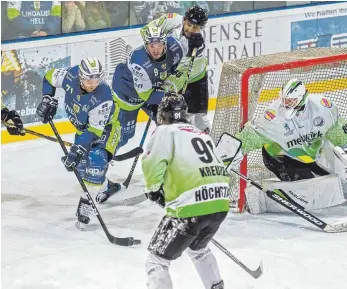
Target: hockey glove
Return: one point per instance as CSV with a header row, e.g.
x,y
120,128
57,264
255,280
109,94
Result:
x,y
17,127
157,197
47,108
73,157
196,40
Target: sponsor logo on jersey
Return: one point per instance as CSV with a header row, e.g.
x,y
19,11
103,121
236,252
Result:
x,y
171,15
174,47
307,138
289,131
211,193
76,108
270,114
163,75
85,108
326,102
147,64
318,121
176,58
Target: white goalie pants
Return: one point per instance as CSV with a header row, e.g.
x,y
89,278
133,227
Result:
x,y
204,261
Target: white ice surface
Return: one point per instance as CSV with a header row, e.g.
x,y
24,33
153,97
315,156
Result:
x,y
42,248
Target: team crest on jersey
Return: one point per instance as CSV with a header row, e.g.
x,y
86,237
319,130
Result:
x,y
270,114
326,102
163,66
76,108
163,75
318,121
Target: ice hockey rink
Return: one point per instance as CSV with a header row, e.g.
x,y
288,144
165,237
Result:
x,y
42,248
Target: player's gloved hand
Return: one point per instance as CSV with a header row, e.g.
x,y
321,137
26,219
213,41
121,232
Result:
x,y
154,110
157,197
73,157
196,40
17,124
47,108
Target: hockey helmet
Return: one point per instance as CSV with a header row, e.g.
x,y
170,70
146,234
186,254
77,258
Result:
x,y
293,96
155,35
90,68
197,15
172,108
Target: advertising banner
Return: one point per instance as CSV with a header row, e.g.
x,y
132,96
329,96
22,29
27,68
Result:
x,y
227,38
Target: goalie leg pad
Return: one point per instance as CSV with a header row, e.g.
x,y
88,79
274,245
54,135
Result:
x,y
311,194
157,269
206,265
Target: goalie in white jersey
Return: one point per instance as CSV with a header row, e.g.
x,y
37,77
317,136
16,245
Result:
x,y
183,173
301,135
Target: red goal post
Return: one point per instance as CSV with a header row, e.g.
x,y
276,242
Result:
x,y
248,86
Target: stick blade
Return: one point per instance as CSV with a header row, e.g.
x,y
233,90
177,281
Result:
x,y
257,273
135,200
337,228
128,241
128,155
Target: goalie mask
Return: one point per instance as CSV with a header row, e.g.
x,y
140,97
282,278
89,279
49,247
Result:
x,y
293,96
173,108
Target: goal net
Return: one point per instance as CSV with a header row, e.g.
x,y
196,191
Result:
x,y
248,86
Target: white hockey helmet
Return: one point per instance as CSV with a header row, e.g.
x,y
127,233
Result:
x,y
155,35
293,95
90,68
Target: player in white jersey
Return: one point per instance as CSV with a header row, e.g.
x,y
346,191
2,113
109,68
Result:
x,y
183,173
187,29
301,136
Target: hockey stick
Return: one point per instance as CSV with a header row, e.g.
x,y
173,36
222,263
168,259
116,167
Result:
x,y
296,208
255,274
130,175
128,241
7,124
128,155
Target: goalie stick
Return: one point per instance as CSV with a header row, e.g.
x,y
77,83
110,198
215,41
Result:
x,y
128,155
128,241
255,274
297,209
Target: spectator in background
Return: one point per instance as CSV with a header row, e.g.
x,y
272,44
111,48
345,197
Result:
x,y
5,23
268,4
95,15
34,18
163,7
119,12
142,11
72,19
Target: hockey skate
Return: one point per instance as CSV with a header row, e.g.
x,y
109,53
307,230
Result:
x,y
112,188
82,214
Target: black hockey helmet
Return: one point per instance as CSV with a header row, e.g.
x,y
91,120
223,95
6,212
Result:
x,y
197,15
172,108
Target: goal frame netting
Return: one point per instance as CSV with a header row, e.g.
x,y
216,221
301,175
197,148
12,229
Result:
x,y
245,76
